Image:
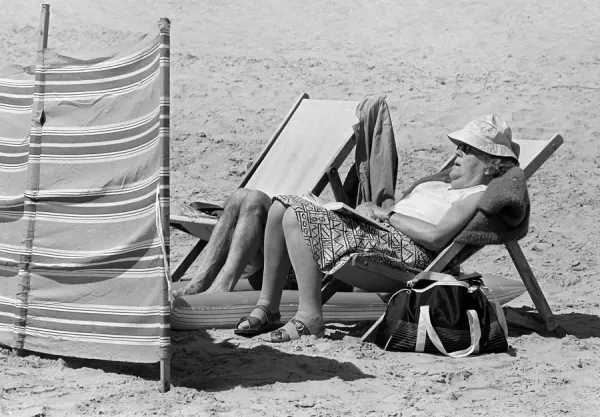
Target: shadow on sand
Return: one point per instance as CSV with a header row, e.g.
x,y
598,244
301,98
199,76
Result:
x,y
200,363
580,325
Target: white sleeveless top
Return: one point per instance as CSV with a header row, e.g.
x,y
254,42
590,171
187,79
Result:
x,y
431,200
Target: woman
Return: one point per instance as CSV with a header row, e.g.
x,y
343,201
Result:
x,y
315,241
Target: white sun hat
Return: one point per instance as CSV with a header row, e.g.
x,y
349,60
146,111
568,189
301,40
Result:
x,y
489,134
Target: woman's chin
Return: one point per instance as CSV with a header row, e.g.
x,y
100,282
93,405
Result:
x,y
456,183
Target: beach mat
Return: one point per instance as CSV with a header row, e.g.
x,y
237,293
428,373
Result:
x,y
223,310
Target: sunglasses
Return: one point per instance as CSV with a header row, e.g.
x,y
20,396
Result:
x,y
464,148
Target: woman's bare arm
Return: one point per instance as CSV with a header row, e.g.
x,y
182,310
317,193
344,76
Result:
x,y
431,236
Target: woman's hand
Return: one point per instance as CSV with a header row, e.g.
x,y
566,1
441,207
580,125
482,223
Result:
x,y
367,210
373,211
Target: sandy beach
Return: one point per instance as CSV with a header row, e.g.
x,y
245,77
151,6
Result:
x,y
236,69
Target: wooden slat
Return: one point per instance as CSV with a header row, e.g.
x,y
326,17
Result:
x,y
336,185
330,288
534,153
449,162
337,161
533,288
189,259
445,256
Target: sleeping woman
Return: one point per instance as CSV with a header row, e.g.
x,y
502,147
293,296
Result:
x,y
315,241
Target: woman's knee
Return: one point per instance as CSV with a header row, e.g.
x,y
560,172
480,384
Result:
x,y
275,217
276,211
289,220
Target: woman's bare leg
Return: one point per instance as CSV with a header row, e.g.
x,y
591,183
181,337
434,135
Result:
x,y
309,277
277,265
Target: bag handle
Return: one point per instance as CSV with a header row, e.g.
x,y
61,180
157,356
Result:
x,y
430,275
426,328
499,311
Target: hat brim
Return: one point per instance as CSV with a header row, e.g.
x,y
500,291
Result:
x,y
461,136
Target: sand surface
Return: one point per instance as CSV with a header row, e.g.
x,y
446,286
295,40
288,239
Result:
x,y
237,67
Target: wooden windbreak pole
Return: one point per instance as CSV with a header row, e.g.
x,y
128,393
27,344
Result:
x,y
164,134
164,124
44,24
29,207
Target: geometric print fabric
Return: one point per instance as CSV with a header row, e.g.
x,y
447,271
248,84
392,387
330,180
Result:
x,y
334,239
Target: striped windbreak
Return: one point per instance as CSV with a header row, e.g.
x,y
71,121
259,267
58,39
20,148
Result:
x,y
83,198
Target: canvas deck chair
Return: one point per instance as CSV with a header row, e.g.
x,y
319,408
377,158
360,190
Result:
x,y
533,154
302,156
89,271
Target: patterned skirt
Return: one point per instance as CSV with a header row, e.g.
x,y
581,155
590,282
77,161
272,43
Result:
x,y
335,239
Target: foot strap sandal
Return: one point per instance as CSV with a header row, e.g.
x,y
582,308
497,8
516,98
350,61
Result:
x,y
257,326
293,330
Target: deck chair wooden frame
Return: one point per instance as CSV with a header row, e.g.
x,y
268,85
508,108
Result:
x,y
202,228
533,154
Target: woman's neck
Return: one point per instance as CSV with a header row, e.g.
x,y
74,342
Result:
x,y
462,182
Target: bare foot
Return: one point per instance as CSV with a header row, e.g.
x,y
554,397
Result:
x,y
200,283
193,287
224,282
217,288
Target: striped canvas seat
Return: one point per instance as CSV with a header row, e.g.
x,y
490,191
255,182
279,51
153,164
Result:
x,y
92,243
